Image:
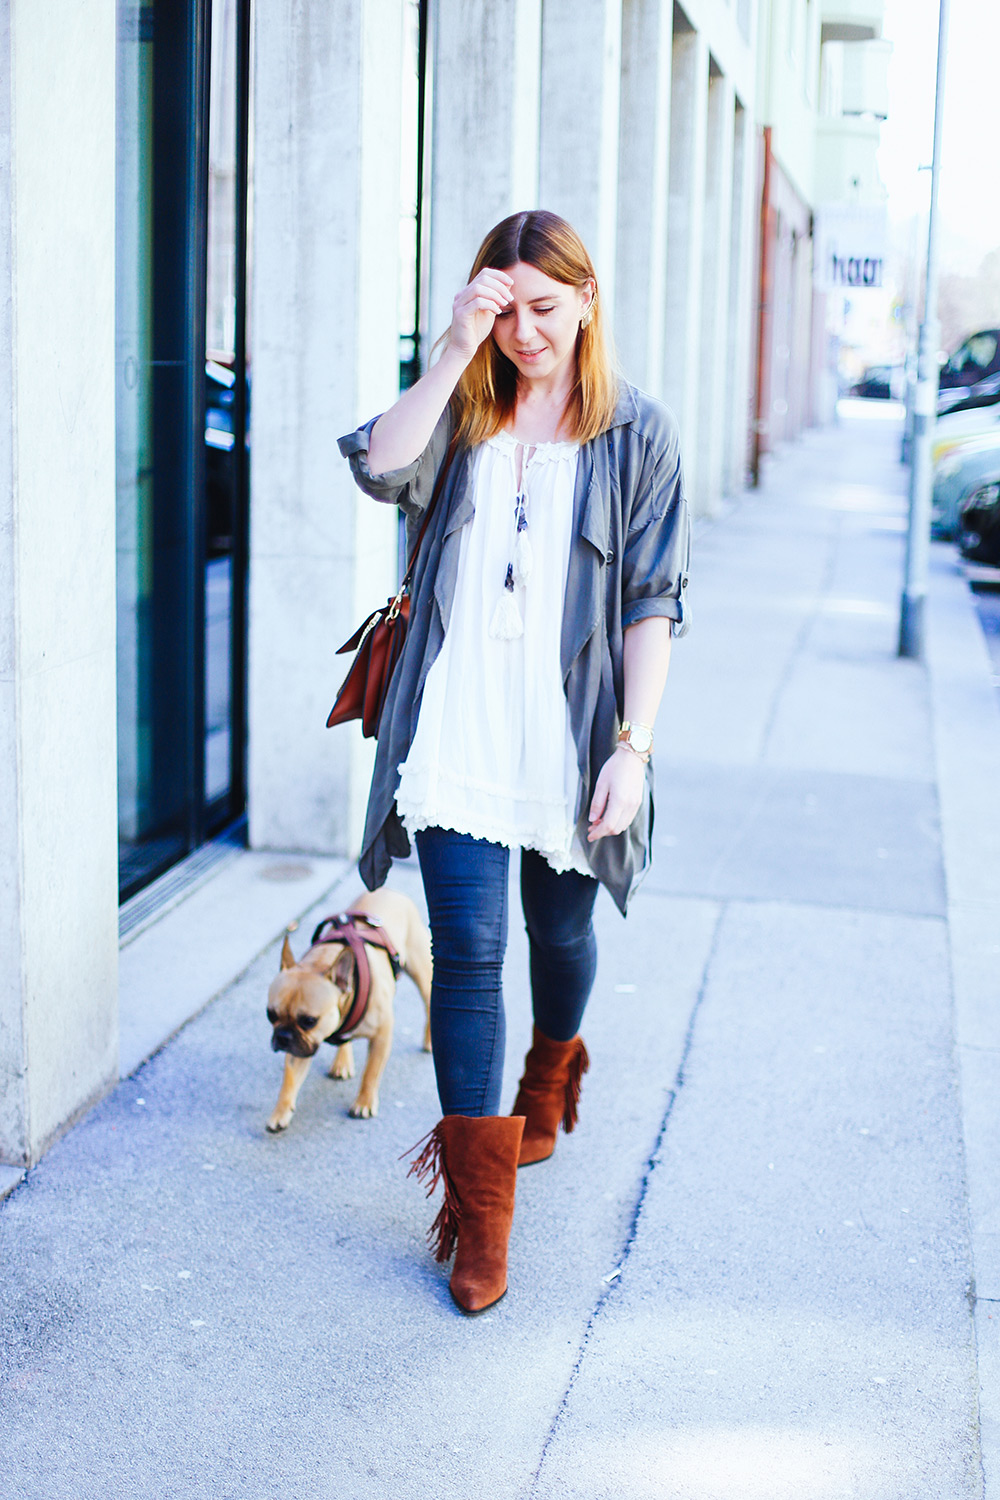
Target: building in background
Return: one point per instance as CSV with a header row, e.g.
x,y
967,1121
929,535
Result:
x,y
210,282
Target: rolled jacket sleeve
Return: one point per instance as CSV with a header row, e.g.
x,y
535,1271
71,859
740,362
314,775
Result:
x,y
411,487
658,547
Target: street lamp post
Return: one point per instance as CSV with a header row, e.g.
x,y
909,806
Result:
x,y
914,598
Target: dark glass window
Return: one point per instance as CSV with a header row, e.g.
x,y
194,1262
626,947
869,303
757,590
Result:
x,y
182,142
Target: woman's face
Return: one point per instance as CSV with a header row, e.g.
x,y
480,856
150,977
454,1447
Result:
x,y
537,332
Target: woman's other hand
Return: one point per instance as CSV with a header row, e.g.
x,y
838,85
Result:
x,y
617,795
475,308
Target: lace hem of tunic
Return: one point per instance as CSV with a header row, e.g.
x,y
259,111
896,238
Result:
x,y
434,799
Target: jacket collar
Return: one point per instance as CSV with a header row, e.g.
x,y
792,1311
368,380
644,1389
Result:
x,y
627,408
592,525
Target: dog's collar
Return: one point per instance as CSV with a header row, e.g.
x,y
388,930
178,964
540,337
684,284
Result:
x,y
343,928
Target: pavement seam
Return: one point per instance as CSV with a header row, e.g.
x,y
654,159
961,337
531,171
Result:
x,y
650,1165
961,690
777,900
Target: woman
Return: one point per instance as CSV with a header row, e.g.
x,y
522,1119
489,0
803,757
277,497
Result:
x,y
550,579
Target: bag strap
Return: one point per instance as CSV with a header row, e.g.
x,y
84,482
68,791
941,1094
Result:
x,y
438,487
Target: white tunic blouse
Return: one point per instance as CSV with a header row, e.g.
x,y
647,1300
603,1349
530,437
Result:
x,y
493,755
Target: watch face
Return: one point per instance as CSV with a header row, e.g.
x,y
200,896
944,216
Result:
x,y
640,739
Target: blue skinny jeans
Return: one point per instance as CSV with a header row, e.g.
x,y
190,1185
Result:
x,y
465,882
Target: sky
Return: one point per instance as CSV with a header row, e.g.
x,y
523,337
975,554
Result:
x,y
969,192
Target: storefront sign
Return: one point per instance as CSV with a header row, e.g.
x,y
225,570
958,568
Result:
x,y
849,248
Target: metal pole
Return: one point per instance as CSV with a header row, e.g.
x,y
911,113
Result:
x,y
912,330
911,614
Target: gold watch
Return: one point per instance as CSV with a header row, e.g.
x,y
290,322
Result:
x,y
638,737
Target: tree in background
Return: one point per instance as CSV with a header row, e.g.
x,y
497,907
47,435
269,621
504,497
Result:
x,y
966,303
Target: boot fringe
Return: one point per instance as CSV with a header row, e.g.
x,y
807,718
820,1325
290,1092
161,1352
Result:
x,y
430,1168
579,1065
442,1237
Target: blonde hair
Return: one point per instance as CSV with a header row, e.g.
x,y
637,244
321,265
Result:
x,y
486,395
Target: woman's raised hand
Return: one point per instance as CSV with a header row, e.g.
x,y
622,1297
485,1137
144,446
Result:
x,y
402,433
475,308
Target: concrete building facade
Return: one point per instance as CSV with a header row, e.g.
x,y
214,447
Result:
x,y
58,889
690,145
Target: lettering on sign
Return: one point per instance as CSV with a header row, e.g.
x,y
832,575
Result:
x,y
849,243
852,271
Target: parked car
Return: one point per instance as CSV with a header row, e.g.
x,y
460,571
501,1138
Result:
x,y
971,376
956,426
979,539
880,383
965,466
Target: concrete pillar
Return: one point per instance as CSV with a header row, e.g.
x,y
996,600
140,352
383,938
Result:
x,y
643,160
802,355
685,240
485,132
714,341
742,303
324,355
581,88
58,833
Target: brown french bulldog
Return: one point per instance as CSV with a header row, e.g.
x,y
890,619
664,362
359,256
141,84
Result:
x,y
309,1000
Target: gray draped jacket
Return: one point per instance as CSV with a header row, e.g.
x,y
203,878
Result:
x,y
628,560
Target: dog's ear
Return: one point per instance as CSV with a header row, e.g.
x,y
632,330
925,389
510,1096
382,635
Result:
x,y
342,972
287,956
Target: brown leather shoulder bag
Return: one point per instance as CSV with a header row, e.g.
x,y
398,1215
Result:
x,y
379,641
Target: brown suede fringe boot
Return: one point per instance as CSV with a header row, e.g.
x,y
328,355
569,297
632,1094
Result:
x,y
549,1093
476,1160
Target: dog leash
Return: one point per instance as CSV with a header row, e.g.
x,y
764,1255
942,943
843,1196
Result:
x,y
343,928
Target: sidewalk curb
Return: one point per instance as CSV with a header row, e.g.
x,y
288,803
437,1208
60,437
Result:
x,y
963,699
10,1178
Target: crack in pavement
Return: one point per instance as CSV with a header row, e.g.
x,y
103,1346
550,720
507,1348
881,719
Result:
x,y
633,1229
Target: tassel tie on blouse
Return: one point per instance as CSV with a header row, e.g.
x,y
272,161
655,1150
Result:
x,y
507,624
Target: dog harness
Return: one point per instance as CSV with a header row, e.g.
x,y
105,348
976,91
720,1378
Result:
x,y
344,928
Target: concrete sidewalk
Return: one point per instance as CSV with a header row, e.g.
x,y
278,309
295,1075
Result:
x,y
766,1265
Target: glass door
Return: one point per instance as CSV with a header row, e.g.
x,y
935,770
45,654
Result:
x,y
413,173
227,391
181,414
